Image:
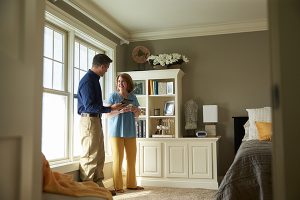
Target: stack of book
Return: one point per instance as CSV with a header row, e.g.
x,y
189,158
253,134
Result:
x,y
160,87
140,126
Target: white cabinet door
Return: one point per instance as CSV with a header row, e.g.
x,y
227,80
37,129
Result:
x,y
176,159
200,160
150,159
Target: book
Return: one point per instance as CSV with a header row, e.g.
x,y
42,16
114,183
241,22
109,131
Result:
x,y
137,128
162,88
140,128
150,87
144,128
155,87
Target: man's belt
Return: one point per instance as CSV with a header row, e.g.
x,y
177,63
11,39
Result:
x,y
90,115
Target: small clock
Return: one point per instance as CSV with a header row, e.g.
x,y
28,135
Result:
x,y
201,133
140,54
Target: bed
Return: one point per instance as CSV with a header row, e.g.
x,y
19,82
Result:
x,y
250,174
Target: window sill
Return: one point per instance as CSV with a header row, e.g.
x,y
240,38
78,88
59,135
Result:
x,y
72,166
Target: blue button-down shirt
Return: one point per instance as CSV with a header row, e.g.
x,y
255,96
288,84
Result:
x,y
90,96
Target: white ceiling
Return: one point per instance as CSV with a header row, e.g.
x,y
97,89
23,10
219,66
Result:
x,y
134,20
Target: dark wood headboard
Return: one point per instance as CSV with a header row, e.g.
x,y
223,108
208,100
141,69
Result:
x,y
239,131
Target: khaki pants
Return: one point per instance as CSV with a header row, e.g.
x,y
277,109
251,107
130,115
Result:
x,y
92,155
118,145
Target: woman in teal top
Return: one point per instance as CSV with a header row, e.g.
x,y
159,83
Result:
x,y
123,125
123,133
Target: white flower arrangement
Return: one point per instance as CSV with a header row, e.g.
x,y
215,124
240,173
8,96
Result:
x,y
167,59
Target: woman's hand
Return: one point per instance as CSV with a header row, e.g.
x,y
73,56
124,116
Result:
x,y
136,111
117,106
125,109
131,108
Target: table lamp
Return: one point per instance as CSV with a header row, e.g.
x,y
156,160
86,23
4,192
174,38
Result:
x,y
210,118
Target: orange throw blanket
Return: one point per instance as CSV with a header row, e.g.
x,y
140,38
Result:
x,y
54,182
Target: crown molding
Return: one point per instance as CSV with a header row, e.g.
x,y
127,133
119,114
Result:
x,y
91,11
215,29
59,17
106,21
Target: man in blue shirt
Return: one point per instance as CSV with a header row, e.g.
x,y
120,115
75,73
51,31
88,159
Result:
x,y
90,107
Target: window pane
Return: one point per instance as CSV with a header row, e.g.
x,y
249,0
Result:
x,y
48,42
83,57
54,126
47,82
58,46
58,78
76,56
76,80
91,55
76,136
82,73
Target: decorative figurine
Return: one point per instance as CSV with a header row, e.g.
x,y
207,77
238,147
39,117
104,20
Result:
x,y
191,116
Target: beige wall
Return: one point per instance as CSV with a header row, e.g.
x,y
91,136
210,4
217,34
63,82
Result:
x,y
232,71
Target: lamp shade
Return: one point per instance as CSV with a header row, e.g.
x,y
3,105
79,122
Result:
x,y
210,113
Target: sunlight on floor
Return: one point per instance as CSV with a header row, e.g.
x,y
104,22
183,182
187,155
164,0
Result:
x,y
132,195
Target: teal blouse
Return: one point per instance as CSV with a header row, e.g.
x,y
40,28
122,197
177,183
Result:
x,y
122,125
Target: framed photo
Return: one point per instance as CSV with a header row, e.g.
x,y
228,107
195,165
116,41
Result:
x,y
139,87
169,108
170,89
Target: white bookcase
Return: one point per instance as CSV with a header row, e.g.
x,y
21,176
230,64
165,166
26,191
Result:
x,y
169,84
170,160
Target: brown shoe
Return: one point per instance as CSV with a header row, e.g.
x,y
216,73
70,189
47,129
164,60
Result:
x,y
113,192
136,188
120,191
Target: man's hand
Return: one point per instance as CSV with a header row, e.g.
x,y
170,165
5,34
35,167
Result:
x,y
131,108
117,106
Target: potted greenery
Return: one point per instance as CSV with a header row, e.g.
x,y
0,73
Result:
x,y
167,61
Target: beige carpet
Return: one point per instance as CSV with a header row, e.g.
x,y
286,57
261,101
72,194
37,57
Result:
x,y
163,193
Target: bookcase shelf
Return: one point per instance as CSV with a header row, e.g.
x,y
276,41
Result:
x,y
161,116
156,90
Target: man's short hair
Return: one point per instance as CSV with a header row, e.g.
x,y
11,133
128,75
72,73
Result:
x,y
101,59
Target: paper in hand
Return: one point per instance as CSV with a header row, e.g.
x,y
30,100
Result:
x,y
126,101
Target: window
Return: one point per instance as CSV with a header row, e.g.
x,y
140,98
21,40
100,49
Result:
x,y
68,54
55,96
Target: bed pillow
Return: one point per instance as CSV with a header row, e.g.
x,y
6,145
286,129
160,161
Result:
x,y
258,114
264,130
246,127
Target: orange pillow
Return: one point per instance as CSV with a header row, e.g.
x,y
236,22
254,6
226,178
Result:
x,y
264,130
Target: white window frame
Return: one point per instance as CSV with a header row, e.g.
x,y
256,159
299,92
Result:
x,y
76,28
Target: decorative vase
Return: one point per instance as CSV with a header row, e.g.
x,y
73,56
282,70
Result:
x,y
175,66
159,67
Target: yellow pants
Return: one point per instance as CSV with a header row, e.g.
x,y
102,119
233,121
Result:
x,y
118,145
